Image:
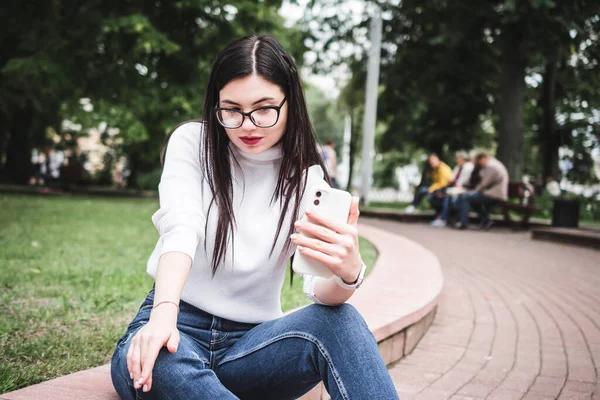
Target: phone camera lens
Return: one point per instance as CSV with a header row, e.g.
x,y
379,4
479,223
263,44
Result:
x,y
318,194
317,202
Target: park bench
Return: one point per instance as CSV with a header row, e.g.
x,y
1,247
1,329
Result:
x,y
521,198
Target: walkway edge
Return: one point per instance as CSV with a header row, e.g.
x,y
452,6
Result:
x,y
568,236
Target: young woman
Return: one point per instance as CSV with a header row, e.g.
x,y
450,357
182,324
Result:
x,y
232,194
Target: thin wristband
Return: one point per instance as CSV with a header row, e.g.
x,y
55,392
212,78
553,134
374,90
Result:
x,y
166,301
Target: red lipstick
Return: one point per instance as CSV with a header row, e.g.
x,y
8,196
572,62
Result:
x,y
251,140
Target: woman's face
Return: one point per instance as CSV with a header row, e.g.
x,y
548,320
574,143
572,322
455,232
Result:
x,y
248,94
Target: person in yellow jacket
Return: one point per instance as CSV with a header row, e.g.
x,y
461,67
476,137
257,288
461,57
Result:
x,y
441,174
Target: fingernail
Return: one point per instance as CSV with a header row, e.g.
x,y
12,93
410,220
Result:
x,y
300,248
298,223
293,236
145,388
131,375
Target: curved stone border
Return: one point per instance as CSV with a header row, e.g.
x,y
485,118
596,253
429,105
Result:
x,y
398,301
571,236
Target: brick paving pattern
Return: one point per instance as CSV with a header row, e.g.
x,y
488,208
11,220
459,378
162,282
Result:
x,y
518,319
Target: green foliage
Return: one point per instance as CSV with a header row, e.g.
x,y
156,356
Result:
x,y
142,65
583,166
327,119
149,180
149,40
103,177
589,210
385,166
442,69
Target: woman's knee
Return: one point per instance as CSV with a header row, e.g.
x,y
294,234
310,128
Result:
x,y
342,319
341,335
170,368
346,312
180,375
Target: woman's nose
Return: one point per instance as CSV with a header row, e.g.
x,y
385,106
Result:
x,y
247,125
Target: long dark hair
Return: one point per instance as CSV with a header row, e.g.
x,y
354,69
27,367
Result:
x,y
265,57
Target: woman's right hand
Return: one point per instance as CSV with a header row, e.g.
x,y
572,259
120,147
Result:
x,y
161,330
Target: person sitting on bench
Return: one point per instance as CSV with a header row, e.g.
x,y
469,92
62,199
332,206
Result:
x,y
492,188
441,174
464,177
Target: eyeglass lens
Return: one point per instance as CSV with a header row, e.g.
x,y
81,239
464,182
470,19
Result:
x,y
263,117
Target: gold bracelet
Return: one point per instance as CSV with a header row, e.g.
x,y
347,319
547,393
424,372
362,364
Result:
x,y
166,301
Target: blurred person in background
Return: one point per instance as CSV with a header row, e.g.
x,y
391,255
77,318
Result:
x,y
329,158
492,188
441,176
461,182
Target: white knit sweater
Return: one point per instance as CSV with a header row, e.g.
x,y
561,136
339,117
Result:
x,y
249,289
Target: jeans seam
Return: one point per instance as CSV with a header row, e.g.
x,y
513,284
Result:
x,y
301,335
225,336
210,342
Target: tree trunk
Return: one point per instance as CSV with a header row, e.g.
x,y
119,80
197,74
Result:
x,y
510,139
18,148
550,140
133,164
3,142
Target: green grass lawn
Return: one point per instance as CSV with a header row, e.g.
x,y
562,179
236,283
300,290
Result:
x,y
72,276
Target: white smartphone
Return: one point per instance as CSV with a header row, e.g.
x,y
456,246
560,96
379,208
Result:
x,y
335,204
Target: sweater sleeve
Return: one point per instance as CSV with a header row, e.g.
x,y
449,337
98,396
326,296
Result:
x,y
180,220
309,288
442,177
488,178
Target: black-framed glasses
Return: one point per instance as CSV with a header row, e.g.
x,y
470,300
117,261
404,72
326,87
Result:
x,y
262,117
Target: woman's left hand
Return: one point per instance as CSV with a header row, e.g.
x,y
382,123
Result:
x,y
334,244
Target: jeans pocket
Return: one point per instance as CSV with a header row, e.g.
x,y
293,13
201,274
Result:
x,y
138,322
145,308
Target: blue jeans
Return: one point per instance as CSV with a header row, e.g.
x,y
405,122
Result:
x,y
279,359
435,201
449,202
422,191
466,200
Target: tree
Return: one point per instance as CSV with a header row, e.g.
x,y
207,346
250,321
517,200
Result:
x,y
326,119
351,102
142,65
435,70
577,99
448,66
529,29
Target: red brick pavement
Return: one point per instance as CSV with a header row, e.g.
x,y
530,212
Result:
x,y
518,319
